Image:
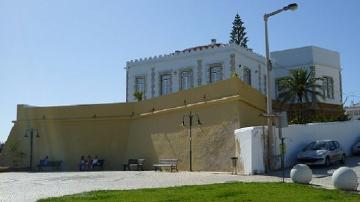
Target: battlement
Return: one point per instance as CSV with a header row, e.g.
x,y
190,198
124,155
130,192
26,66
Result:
x,y
195,50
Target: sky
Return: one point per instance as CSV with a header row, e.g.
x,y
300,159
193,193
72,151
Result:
x,y
69,52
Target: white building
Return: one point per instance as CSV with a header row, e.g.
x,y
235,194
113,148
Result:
x,y
324,63
201,65
353,111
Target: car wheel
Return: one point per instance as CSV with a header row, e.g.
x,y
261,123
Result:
x,y
327,161
342,161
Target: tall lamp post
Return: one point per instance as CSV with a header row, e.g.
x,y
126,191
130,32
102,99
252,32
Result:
x,y
191,116
30,133
291,7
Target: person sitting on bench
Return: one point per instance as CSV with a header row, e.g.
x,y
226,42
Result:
x,y
82,163
95,162
88,163
45,161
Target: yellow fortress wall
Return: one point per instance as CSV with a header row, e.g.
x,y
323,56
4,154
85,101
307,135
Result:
x,y
150,129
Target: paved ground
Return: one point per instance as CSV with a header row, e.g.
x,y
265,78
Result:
x,y
22,186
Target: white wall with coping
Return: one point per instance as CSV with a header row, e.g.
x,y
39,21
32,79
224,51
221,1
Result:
x,y
251,149
296,138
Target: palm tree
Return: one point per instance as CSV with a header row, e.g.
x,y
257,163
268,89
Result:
x,y
138,96
298,87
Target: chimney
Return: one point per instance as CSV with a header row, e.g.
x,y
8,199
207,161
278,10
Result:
x,y
213,41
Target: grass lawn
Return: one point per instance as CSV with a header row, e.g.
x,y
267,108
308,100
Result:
x,y
219,192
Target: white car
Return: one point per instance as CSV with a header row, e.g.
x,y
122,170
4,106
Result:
x,y
322,152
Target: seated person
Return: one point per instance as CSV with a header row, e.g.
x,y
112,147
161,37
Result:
x,y
82,163
95,162
88,163
45,161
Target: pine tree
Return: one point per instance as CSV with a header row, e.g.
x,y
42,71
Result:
x,y
238,34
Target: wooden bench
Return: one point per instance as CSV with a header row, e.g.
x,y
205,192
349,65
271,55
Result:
x,y
50,164
167,163
138,163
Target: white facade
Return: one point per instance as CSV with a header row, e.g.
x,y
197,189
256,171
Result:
x,y
164,74
201,65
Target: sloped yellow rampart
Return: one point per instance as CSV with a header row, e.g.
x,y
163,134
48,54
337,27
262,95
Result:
x,y
150,129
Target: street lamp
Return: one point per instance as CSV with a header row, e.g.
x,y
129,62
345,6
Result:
x,y
269,68
190,116
31,132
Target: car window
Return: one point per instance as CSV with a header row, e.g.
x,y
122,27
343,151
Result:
x,y
337,144
309,146
333,145
317,146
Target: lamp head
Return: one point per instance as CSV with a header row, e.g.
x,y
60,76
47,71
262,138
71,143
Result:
x,y
292,7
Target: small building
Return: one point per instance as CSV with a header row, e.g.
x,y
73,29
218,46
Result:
x,y
353,111
323,63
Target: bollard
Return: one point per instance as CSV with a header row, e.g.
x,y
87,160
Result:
x,y
234,164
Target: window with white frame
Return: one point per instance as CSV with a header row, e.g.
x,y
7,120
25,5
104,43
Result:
x,y
186,78
215,74
140,85
328,87
247,75
165,82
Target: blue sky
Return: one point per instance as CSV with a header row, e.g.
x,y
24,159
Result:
x,y
74,51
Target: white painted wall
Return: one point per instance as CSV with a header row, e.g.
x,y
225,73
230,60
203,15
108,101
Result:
x,y
296,138
251,149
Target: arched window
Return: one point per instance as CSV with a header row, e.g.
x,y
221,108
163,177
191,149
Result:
x,y
247,75
328,87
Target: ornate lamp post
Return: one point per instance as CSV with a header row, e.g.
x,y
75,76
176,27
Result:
x,y
191,116
269,68
30,133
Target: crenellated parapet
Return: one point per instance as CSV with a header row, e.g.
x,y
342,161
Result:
x,y
195,50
